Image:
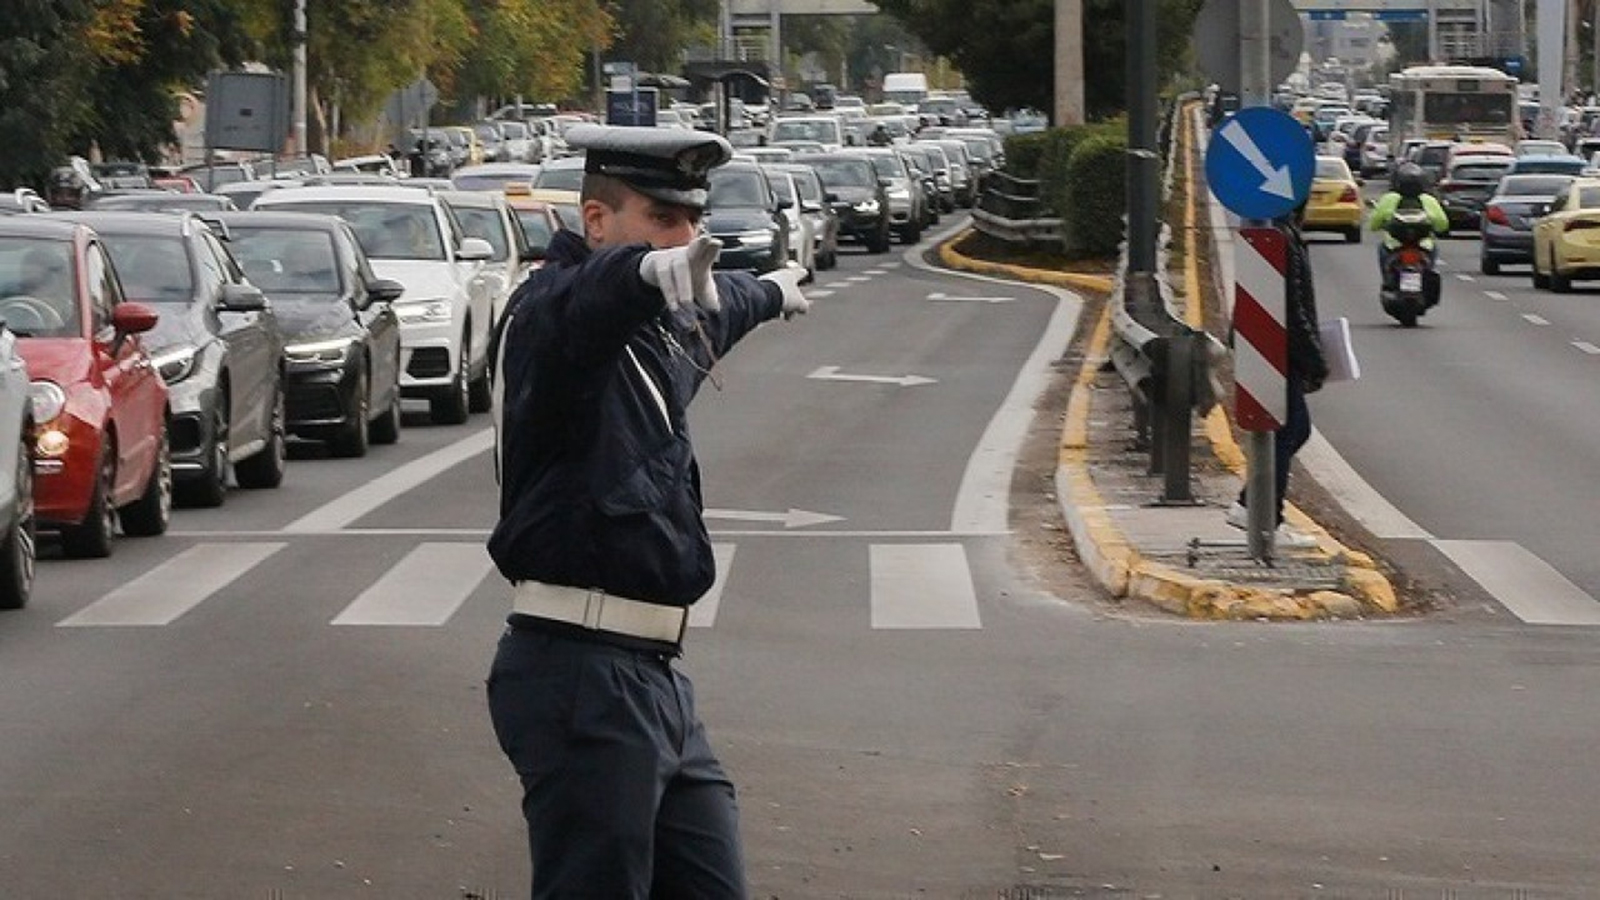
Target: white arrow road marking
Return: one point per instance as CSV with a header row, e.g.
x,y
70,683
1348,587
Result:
x,y
793,518
948,298
1275,180
832,373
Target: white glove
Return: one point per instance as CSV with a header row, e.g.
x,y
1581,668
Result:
x,y
684,273
788,280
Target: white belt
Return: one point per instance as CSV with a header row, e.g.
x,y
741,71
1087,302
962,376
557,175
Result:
x,y
599,611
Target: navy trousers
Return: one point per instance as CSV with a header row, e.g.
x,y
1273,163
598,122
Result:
x,y
623,796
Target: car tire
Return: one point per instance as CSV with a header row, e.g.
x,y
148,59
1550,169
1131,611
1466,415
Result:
x,y
211,488
150,515
1353,236
480,394
91,538
265,469
880,241
386,428
18,553
452,406
911,234
353,440
1488,266
1560,283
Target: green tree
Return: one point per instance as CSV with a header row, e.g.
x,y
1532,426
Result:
x,y
532,47
653,33
45,64
1006,48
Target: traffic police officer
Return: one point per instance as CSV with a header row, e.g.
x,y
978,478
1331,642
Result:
x,y
601,529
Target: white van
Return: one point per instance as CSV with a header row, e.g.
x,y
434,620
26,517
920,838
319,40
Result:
x,y
908,88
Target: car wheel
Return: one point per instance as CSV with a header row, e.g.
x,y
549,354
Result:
x,y
150,515
911,234
1353,236
266,468
453,406
17,553
211,488
386,428
1560,283
353,440
480,396
1488,266
91,538
880,241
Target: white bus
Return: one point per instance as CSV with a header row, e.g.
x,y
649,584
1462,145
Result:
x,y
1453,103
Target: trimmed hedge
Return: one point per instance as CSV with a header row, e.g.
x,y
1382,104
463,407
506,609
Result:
x,y
1096,189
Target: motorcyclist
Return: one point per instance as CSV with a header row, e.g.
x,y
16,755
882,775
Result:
x,y
1407,189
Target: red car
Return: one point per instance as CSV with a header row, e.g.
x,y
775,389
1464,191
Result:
x,y
99,407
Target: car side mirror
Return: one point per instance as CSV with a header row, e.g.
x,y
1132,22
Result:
x,y
535,254
133,318
242,298
811,206
831,197
785,204
474,250
384,290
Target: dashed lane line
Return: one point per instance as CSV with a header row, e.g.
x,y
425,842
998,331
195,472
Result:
x,y
1532,319
1495,295
1587,347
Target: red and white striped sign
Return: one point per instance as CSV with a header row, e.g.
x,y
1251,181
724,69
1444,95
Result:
x,y
1260,343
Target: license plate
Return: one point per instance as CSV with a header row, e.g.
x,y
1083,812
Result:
x,y
1411,281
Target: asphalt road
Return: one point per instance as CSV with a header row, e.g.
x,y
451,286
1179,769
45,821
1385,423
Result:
x,y
284,698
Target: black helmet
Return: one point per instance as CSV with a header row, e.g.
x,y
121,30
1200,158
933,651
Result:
x,y
1409,180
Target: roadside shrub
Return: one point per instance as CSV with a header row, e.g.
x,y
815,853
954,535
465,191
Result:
x,y
1095,189
1023,152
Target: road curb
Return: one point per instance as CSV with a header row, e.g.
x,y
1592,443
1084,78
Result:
x,y
956,260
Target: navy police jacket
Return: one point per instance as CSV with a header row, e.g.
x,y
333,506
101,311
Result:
x,y
599,485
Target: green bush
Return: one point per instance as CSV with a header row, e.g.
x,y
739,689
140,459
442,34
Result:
x,y
1096,194
1023,152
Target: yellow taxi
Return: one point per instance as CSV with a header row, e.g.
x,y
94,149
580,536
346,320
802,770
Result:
x,y
462,136
1566,239
1335,202
540,213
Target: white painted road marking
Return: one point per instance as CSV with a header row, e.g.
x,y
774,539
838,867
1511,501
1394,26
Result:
x,y
832,373
823,292
1465,277
940,296
703,614
173,588
343,510
857,279
1527,585
1494,295
1532,319
791,518
1587,347
873,272
922,586
424,588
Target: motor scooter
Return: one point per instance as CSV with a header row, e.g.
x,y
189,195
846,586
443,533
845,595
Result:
x,y
1410,285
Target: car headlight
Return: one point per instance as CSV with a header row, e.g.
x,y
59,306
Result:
x,y
47,399
425,311
175,364
867,207
755,238
333,351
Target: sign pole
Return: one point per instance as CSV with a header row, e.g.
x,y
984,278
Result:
x,y
1254,64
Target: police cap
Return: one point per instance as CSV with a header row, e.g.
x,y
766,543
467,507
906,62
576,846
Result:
x,y
668,164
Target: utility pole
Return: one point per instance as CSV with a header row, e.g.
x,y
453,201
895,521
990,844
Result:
x,y
300,147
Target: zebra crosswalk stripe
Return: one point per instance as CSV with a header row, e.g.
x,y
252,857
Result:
x,y
922,586
173,588
424,588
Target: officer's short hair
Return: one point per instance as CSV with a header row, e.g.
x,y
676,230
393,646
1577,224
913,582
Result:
x,y
606,189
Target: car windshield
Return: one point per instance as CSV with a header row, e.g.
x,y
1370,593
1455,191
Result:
x,y
736,187
535,227
36,293
808,189
286,261
479,222
1533,185
781,186
153,268
560,178
1479,171
823,131
514,131
385,230
887,167
1332,170
1550,165
845,172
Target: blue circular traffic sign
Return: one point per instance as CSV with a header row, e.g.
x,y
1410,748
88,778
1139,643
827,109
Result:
x,y
1260,162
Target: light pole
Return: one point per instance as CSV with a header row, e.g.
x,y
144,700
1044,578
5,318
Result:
x,y
300,148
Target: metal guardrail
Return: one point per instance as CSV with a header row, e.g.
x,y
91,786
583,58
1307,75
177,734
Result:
x,y
1009,210
1164,362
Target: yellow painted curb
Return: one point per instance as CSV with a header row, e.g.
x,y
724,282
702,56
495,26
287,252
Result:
x,y
955,260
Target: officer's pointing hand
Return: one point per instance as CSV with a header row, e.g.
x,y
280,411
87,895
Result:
x,y
683,274
788,280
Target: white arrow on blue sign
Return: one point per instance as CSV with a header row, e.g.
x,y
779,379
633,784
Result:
x,y
1260,162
